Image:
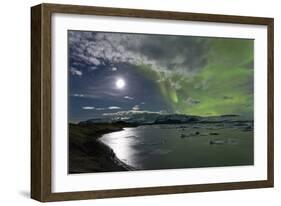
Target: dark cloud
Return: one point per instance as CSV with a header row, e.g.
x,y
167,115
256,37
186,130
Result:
x,y
175,52
161,52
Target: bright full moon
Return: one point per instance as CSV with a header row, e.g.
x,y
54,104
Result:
x,y
120,83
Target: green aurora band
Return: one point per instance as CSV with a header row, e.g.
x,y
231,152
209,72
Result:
x,y
224,85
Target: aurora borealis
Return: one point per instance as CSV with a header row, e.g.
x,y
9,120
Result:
x,y
159,73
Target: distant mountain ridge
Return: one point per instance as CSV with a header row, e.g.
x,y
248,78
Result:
x,y
144,118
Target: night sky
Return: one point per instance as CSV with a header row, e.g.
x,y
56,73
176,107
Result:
x,y
120,72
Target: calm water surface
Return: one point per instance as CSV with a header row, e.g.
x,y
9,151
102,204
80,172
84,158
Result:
x,y
183,146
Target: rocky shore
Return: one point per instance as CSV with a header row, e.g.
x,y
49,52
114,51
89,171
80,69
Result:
x,y
87,154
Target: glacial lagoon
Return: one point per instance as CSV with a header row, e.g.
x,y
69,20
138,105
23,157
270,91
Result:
x,y
174,146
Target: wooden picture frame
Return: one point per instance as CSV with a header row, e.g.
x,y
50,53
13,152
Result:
x,y
41,116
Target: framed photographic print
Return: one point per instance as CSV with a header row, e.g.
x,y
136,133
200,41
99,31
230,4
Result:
x,y
132,102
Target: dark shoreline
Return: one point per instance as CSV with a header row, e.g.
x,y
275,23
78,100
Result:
x,y
88,154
